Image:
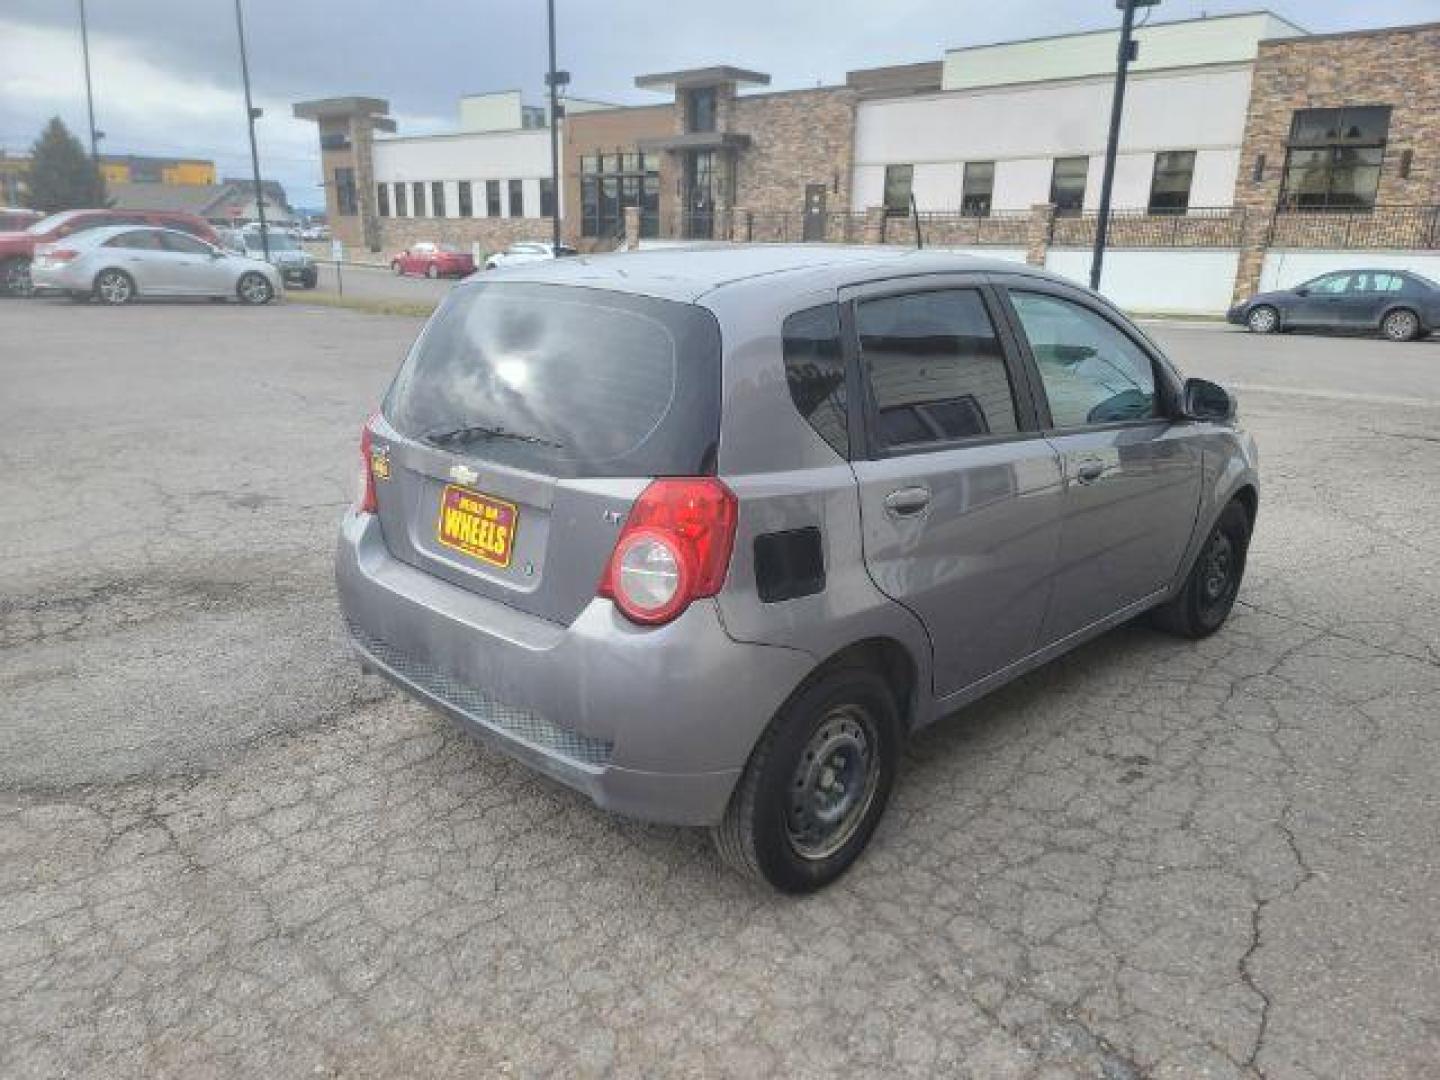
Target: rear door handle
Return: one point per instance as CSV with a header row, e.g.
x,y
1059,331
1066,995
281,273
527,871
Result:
x,y
1087,472
907,502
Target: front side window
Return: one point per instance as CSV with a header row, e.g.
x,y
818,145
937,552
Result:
x,y
517,198
815,370
417,192
935,368
1170,183
978,188
400,208
467,204
1092,372
437,199
1067,185
183,245
898,179
1333,158
1330,285
382,199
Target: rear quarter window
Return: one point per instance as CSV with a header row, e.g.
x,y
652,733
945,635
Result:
x,y
567,382
815,372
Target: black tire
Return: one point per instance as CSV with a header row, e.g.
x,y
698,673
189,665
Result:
x,y
114,287
254,289
397,269
78,297
1402,324
1205,601
1263,319
765,834
432,271
15,278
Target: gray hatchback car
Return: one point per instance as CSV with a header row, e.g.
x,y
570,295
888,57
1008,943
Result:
x,y
705,534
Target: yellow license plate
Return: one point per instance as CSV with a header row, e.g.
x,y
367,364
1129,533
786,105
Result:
x,y
481,527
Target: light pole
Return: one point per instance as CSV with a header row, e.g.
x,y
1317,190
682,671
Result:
x,y
1127,53
554,80
89,96
251,115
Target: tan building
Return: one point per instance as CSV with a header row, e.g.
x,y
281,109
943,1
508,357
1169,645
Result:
x,y
347,134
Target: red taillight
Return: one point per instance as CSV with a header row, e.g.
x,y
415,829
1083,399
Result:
x,y
61,255
674,548
365,495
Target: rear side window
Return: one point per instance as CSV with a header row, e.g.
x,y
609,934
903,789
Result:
x,y
139,240
936,368
815,370
184,245
566,382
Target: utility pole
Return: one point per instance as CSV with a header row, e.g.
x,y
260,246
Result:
x,y
1127,53
554,79
251,115
89,96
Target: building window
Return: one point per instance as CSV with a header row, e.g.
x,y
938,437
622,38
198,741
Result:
x,y
1170,183
700,109
401,210
467,206
619,181
898,179
517,198
1333,158
335,140
492,198
417,194
1067,185
345,202
437,199
547,197
382,199
977,189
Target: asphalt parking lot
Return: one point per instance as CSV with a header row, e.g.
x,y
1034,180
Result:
x,y
224,852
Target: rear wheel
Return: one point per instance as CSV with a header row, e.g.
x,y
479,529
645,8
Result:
x,y
1209,593
114,287
254,289
1263,320
396,268
432,271
1402,324
816,784
15,277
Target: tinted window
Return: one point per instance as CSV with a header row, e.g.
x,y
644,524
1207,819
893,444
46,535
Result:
x,y
467,206
935,368
139,240
437,199
898,179
1378,282
184,245
566,382
1093,373
977,187
815,370
1331,284
1067,184
417,194
517,199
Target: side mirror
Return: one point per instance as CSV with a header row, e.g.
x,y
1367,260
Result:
x,y
1204,400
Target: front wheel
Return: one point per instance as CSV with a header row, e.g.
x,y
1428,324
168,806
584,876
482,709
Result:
x,y
432,271
254,289
1402,324
1209,593
114,287
1263,320
816,784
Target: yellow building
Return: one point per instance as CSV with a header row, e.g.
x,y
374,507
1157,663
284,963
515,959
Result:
x,y
133,169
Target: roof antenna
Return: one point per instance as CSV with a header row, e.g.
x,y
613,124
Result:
x,y
915,217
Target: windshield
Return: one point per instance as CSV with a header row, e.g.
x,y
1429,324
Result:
x,y
278,242
565,381
45,224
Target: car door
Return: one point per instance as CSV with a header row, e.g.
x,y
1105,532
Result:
x,y
1132,473
139,253
960,493
192,270
1321,303
1370,296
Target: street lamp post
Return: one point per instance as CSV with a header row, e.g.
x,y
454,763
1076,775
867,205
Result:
x,y
251,115
89,96
554,80
1127,53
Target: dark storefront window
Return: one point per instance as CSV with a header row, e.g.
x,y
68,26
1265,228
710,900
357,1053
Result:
x,y
437,199
467,204
417,193
978,188
547,197
401,210
517,198
611,182
1170,184
700,109
1067,185
345,202
1333,158
897,189
492,198
382,199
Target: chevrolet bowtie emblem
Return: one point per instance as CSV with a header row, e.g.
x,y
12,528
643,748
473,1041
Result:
x,y
463,474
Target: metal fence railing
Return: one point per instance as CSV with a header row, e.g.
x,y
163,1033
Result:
x,y
1402,227
1197,227
944,228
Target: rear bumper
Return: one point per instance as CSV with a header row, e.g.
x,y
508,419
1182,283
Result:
x,y
1236,314
62,277
651,723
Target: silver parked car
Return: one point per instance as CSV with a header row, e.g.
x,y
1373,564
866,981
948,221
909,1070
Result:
x,y
296,265
706,534
528,251
116,264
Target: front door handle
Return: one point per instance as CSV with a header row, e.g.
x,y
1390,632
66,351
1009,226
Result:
x,y
1088,471
907,502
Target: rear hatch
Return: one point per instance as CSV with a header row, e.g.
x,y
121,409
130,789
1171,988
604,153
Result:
x,y
525,422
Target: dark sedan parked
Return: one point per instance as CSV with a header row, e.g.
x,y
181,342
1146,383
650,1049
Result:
x,y
1400,305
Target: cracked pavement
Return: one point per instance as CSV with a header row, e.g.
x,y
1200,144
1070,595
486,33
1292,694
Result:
x,y
224,852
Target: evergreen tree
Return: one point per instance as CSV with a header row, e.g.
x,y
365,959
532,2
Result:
x,y
62,176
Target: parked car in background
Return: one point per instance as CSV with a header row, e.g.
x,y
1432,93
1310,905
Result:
x,y
1399,304
231,240
315,232
17,248
707,534
117,264
433,261
527,251
296,266
13,219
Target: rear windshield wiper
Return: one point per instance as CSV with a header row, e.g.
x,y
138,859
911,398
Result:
x,y
476,432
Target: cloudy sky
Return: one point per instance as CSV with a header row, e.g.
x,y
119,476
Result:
x,y
167,79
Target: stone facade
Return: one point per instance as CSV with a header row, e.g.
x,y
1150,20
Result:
x,y
602,131
492,234
1397,67
798,138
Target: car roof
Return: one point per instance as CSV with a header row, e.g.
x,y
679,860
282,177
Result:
x,y
687,273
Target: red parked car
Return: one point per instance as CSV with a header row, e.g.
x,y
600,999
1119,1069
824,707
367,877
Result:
x,y
18,248
433,260
13,219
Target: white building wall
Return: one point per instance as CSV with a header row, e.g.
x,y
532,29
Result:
x,y
522,154
1024,128
1171,281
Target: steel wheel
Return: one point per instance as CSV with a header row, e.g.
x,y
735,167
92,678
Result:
x,y
1263,320
834,783
1401,325
254,289
115,287
1217,574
